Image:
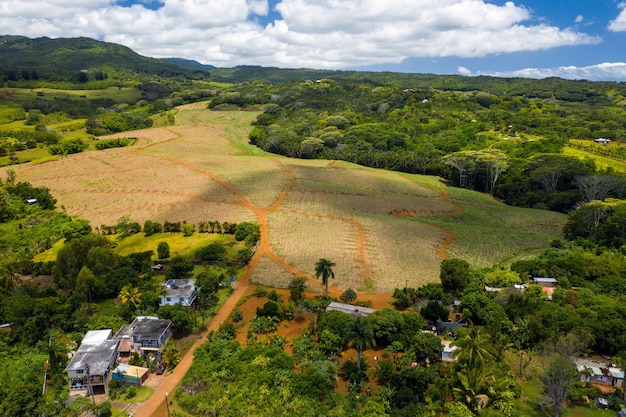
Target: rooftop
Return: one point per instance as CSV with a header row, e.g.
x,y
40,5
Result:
x,y
357,311
180,287
144,328
95,355
97,336
542,279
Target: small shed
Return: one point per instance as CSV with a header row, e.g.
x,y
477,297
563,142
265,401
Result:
x,y
130,375
545,282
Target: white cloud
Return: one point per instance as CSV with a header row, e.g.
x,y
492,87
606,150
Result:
x,y
310,33
579,18
607,71
464,71
619,24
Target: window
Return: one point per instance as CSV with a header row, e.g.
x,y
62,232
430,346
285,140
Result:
x,y
182,299
168,299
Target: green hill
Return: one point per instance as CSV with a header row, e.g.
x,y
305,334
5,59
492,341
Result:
x,y
69,55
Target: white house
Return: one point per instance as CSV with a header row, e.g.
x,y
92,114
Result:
x,y
179,291
90,366
447,352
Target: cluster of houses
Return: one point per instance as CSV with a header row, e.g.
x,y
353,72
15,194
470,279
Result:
x,y
103,356
547,285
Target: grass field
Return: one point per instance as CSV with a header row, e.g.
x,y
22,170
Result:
x,y
601,161
383,229
119,95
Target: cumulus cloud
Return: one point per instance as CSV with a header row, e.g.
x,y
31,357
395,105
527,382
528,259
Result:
x,y
579,18
619,24
309,33
606,71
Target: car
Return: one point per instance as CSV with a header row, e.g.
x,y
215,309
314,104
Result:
x,y
161,368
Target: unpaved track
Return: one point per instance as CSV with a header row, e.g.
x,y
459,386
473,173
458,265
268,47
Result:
x,y
156,406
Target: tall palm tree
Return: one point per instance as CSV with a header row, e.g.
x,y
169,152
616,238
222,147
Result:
x,y
324,269
360,334
475,348
130,294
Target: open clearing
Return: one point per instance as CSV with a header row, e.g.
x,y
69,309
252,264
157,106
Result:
x,y
383,229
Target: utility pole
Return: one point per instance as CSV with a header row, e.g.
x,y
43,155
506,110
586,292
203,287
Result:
x,y
89,386
167,404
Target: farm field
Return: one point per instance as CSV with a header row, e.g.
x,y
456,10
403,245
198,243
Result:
x,y
601,161
383,229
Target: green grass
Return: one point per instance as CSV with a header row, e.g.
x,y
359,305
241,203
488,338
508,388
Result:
x,y
601,161
118,95
179,244
28,155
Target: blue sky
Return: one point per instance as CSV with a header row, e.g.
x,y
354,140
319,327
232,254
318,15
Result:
x,y
526,38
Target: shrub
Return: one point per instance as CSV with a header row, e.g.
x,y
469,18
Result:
x,y
348,296
237,316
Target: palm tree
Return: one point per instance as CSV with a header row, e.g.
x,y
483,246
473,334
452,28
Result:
x,y
360,334
130,294
324,269
474,382
474,348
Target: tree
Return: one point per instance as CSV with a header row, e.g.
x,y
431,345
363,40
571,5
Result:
x,y
474,348
473,382
495,162
360,335
584,222
434,311
348,296
297,286
455,275
558,377
595,187
87,283
323,269
425,347
130,294
464,162
178,268
163,250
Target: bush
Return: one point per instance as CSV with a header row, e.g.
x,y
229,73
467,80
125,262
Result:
x,y
348,296
236,316
131,392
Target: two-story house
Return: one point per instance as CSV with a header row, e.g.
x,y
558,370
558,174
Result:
x,y
147,334
90,366
179,291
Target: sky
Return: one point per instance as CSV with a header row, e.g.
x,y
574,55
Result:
x,y
575,39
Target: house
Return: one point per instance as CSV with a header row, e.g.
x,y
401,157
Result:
x,y
354,311
146,334
448,351
599,372
449,326
545,282
89,368
602,141
130,375
179,291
